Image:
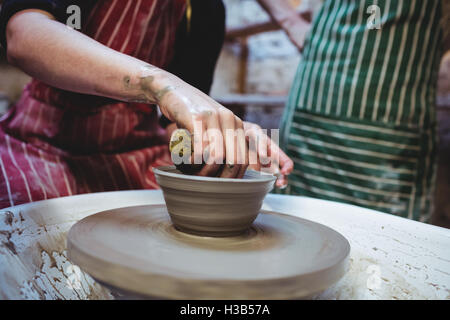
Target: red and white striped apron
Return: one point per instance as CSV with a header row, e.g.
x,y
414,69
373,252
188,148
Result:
x,y
55,143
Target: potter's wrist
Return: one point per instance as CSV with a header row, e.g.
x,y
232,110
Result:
x,y
147,84
150,81
158,85
161,86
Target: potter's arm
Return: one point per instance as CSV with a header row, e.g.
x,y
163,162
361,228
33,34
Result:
x,y
62,57
296,26
69,60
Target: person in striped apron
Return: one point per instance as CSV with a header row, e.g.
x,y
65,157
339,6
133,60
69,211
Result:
x,y
88,121
360,121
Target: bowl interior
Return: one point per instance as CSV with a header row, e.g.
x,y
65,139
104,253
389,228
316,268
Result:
x,y
251,176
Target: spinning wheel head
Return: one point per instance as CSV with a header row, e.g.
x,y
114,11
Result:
x,y
137,250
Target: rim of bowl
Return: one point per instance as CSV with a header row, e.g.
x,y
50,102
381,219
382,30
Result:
x,y
264,177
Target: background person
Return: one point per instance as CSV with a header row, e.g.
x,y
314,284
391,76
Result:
x,y
360,123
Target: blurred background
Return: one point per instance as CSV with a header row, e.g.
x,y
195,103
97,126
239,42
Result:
x,y
253,77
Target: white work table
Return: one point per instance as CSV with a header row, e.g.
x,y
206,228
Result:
x,y
391,257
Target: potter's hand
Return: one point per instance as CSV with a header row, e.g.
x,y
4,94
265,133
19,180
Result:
x,y
269,157
218,135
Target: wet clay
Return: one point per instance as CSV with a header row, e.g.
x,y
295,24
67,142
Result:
x,y
145,85
215,207
137,249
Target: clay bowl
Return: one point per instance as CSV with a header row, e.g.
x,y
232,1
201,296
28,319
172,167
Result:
x,y
213,207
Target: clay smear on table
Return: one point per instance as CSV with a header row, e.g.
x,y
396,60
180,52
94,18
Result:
x,y
36,264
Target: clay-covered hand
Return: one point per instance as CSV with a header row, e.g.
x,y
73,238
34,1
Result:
x,y
218,135
266,155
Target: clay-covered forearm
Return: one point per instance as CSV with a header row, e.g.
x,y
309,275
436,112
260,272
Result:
x,y
67,59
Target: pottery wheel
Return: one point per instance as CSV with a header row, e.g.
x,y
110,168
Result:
x,y
138,250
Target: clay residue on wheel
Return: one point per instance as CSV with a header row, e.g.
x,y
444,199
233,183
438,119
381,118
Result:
x,y
257,238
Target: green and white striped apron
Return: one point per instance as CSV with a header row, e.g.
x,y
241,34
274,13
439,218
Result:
x,y
360,122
